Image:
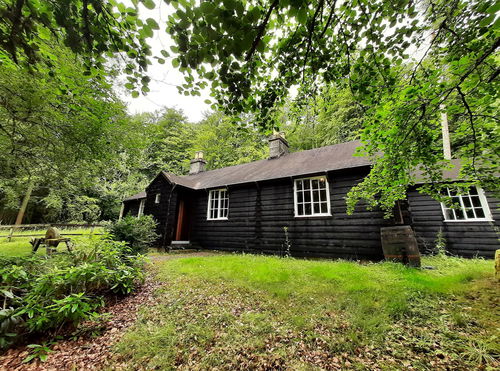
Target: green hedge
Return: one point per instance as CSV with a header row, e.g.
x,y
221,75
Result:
x,y
138,233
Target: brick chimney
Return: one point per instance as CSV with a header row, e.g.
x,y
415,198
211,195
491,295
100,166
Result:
x,y
197,164
278,146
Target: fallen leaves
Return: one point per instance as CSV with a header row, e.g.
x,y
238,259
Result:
x,y
87,352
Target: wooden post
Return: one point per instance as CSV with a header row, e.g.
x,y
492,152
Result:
x,y
122,209
11,232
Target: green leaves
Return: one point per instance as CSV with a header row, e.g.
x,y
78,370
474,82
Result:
x,y
152,24
95,30
150,4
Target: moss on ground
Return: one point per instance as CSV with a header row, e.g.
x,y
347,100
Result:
x,y
246,311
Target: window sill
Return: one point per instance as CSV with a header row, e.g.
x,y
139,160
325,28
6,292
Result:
x,y
215,219
313,216
468,221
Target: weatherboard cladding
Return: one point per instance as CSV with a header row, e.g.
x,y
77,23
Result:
x,y
259,212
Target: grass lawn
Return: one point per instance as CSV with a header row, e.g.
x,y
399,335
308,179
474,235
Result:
x,y
257,312
20,246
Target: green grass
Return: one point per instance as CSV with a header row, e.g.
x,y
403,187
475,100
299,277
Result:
x,y
245,311
20,246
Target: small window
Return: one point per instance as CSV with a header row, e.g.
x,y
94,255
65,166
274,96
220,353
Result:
x,y
157,198
141,208
470,206
312,197
218,204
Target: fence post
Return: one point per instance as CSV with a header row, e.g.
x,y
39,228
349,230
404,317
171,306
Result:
x,y
11,232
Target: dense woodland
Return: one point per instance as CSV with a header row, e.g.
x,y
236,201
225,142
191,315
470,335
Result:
x,y
82,153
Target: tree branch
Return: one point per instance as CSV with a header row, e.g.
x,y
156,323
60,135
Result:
x,y
261,30
309,37
471,121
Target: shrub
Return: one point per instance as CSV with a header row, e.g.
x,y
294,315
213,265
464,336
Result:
x,y
138,233
40,294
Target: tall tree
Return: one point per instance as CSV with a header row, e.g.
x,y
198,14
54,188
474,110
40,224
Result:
x,y
225,144
330,116
49,135
170,145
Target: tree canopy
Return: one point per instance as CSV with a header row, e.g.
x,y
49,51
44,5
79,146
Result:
x,y
96,29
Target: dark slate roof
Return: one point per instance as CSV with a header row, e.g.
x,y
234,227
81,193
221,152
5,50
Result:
x,y
136,196
449,174
319,160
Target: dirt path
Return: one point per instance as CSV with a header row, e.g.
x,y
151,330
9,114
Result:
x,y
94,353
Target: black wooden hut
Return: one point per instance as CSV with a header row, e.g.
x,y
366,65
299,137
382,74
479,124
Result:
x,y
299,199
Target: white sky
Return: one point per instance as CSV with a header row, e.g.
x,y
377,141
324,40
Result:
x,y
164,77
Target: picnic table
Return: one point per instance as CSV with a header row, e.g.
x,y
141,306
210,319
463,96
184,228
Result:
x,y
51,241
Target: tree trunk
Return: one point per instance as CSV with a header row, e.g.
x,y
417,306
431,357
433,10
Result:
x,y
24,204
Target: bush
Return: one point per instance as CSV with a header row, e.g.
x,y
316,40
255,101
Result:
x,y
138,233
48,294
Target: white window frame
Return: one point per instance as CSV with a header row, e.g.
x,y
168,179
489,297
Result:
x,y
295,200
484,205
157,198
141,207
211,195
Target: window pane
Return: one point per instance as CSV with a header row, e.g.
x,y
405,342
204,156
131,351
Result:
x,y
449,214
307,196
315,195
459,214
479,213
470,214
473,191
299,185
466,201
307,184
307,209
324,207
315,184
300,209
300,197
323,195
316,208
476,201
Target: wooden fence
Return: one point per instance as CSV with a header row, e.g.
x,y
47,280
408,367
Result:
x,y
14,228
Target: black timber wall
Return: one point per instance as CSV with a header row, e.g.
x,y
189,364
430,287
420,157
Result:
x,y
131,207
259,212
467,239
163,212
